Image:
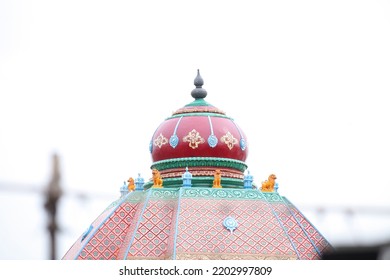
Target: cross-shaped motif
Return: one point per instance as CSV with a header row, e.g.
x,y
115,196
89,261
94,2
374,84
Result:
x,y
160,140
229,140
193,138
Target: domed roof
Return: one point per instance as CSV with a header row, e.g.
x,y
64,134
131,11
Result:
x,y
193,223
199,136
198,205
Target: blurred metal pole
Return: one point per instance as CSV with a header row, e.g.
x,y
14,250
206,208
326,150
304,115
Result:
x,y
53,193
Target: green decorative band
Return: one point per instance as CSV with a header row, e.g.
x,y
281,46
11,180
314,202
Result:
x,y
167,183
199,105
200,192
198,102
199,114
201,182
165,193
272,197
243,194
199,161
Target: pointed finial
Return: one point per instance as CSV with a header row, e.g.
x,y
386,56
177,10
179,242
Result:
x,y
198,92
139,182
248,180
124,190
198,82
187,176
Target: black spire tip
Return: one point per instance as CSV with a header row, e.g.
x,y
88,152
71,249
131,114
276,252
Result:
x,y
198,92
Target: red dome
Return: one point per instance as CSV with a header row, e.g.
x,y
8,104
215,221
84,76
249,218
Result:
x,y
198,135
201,137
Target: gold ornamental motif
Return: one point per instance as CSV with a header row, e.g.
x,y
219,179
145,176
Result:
x,y
160,140
229,140
193,138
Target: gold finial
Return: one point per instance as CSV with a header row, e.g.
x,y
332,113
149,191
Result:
x,y
268,185
157,181
217,179
131,186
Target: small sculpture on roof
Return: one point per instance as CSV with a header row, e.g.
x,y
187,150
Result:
x,y
187,177
217,179
268,185
139,183
124,190
131,185
157,181
248,180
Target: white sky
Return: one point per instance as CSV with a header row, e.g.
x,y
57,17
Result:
x,y
308,82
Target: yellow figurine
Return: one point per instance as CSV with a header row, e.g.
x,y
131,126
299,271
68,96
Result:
x,y
268,185
131,186
157,181
217,179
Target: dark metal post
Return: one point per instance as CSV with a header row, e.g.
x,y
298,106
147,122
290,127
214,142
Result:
x,y
53,194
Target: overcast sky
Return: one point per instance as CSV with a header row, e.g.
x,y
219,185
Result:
x,y
308,82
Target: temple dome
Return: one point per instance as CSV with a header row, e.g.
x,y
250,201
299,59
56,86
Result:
x,y
201,207
199,136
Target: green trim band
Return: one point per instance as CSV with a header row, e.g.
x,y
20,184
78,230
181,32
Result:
x,y
210,193
164,194
198,102
199,182
199,162
222,193
199,114
272,197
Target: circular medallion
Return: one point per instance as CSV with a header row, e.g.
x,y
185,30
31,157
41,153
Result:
x,y
213,141
230,223
173,141
242,144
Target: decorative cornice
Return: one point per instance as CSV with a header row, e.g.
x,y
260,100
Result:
x,y
203,182
272,196
165,193
202,171
194,112
199,161
222,193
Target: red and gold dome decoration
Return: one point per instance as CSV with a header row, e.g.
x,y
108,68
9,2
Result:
x,y
201,137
